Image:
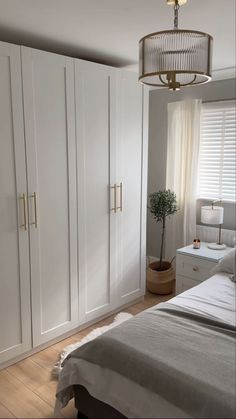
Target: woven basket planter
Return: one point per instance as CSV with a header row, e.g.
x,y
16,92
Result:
x,y
160,282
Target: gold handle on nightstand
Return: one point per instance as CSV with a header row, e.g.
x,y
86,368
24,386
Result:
x,y
195,268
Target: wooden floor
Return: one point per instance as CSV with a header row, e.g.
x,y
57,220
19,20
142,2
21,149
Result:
x,y
27,389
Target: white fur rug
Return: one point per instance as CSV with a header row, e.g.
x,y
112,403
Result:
x,y
119,318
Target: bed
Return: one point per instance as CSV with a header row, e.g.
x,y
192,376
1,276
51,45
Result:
x,y
175,360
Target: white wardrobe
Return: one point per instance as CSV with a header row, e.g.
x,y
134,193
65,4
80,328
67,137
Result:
x,y
73,150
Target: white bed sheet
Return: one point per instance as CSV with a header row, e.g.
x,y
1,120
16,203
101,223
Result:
x,y
214,298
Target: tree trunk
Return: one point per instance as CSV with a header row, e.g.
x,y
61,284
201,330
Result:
x,y
162,240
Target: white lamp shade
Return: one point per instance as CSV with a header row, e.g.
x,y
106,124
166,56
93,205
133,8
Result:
x,y
211,215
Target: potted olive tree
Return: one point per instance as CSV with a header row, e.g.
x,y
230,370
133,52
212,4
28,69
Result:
x,y
160,274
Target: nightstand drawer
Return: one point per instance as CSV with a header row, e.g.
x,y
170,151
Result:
x,y
192,267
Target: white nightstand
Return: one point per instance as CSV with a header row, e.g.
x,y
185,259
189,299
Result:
x,y
194,265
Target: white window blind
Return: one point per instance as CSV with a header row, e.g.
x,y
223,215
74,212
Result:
x,y
217,159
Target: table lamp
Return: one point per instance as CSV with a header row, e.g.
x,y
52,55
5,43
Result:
x,y
213,215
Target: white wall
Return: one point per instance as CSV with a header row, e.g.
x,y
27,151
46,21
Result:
x,y
159,99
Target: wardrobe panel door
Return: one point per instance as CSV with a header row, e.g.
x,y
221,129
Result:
x,y
15,323
48,83
130,150
94,112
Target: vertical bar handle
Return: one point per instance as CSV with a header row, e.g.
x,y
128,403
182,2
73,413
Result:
x,y
35,222
120,186
23,198
114,187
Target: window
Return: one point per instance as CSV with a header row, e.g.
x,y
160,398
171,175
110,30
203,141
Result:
x,y
217,159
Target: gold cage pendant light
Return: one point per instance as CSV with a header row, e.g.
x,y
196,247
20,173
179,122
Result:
x,y
175,58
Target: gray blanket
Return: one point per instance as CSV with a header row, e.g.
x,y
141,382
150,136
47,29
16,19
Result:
x,y
185,358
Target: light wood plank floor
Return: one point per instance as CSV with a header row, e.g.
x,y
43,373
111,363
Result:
x,y
27,389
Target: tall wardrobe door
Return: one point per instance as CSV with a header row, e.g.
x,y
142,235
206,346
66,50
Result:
x,y
96,173
15,325
131,172
48,86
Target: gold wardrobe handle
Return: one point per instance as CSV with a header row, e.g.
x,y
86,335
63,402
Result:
x,y
114,187
120,186
23,198
35,222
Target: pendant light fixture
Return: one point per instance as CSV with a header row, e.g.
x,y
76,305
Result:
x,y
175,58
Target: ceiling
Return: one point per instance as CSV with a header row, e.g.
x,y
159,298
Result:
x,y
108,31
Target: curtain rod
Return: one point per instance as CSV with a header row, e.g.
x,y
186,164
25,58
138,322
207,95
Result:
x,y
218,100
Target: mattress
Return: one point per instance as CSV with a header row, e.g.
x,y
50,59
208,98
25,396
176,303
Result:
x,y
213,299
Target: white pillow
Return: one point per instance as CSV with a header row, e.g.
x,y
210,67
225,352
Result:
x,y
227,264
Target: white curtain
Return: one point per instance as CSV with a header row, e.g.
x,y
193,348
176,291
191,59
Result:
x,y
182,172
